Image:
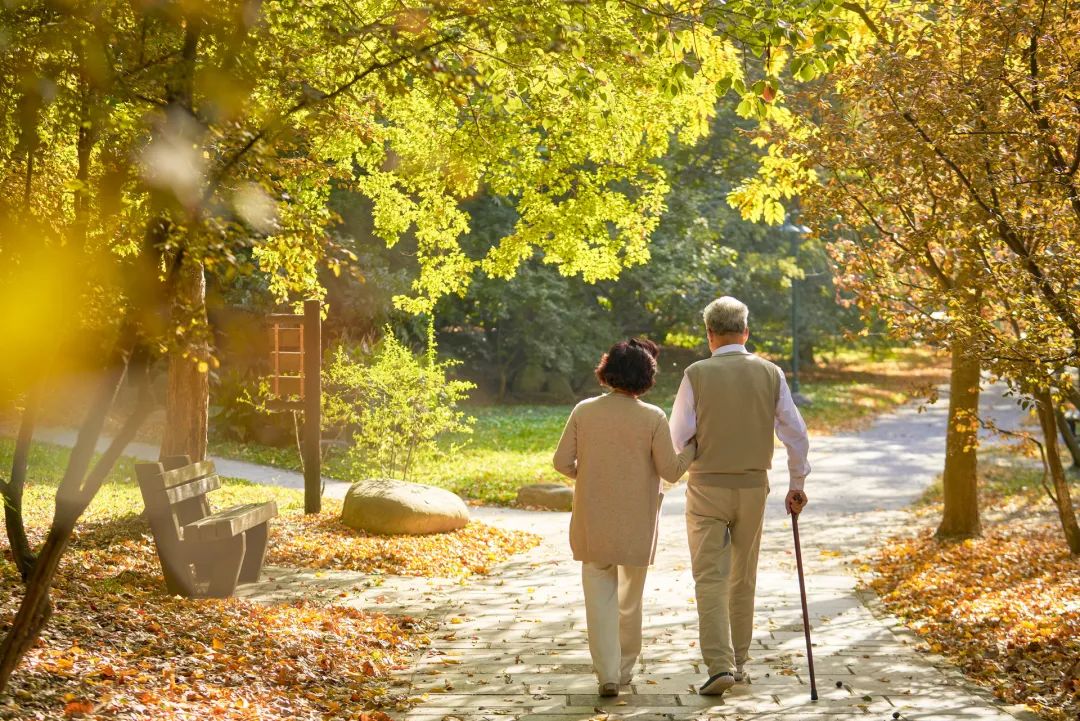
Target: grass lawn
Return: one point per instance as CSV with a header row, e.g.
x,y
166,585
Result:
x,y
118,646
511,445
1004,607
320,541
848,391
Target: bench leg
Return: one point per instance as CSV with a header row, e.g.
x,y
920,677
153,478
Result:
x,y
221,565
179,579
255,553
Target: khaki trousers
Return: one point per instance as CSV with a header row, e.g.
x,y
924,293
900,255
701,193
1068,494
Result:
x,y
723,526
613,616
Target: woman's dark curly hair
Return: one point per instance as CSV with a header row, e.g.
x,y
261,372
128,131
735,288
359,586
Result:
x,y
629,366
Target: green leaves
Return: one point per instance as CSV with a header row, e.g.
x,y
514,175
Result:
x,y
565,108
393,404
806,68
779,177
772,212
750,107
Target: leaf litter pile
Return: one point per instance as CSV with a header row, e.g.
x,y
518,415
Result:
x,y
119,647
323,541
1004,607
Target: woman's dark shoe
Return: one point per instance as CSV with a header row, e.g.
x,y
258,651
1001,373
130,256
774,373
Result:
x,y
609,690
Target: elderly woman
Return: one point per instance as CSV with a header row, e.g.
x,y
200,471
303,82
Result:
x,y
617,448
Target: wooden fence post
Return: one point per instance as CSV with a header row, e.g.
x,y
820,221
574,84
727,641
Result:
x,y
312,406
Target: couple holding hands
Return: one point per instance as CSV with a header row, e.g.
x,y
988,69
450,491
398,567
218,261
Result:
x,y
617,448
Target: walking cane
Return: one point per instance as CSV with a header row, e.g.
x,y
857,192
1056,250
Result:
x,y
805,615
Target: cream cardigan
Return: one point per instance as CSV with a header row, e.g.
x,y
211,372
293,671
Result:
x,y
617,448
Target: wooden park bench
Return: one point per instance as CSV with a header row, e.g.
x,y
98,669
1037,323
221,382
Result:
x,y
202,553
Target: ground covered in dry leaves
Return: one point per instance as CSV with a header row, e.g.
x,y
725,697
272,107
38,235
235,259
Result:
x,y
119,647
849,390
323,541
1004,607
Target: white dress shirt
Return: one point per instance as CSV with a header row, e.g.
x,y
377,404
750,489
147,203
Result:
x,y
790,427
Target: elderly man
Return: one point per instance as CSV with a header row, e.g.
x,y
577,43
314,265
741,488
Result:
x,y
731,403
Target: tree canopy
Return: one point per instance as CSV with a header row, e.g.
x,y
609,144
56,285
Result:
x,y
948,152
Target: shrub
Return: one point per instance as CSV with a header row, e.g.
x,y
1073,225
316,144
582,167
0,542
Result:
x,y
393,405
241,411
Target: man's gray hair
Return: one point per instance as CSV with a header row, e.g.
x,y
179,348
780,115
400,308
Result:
x,y
726,315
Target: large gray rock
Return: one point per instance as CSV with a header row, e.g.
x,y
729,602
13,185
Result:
x,y
400,508
553,496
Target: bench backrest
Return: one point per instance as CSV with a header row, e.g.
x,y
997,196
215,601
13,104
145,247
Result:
x,y
175,494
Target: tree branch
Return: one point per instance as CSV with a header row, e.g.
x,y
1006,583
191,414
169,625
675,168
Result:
x,y
307,101
867,20
1005,231
13,489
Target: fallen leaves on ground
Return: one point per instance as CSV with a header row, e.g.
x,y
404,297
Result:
x,y
323,541
1004,607
118,647
849,391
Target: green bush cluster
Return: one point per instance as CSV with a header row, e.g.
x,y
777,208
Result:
x,y
392,406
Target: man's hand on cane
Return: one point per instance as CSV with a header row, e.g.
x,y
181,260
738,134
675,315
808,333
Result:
x,y
795,502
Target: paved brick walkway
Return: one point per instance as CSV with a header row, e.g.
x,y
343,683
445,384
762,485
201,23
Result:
x,y
514,646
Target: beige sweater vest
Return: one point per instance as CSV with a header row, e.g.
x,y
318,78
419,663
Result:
x,y
735,396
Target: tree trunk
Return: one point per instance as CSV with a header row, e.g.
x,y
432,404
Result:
x,y
187,397
807,351
959,480
77,489
13,489
36,606
1048,422
81,482
1071,441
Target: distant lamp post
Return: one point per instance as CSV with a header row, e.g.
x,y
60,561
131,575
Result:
x,y
798,232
